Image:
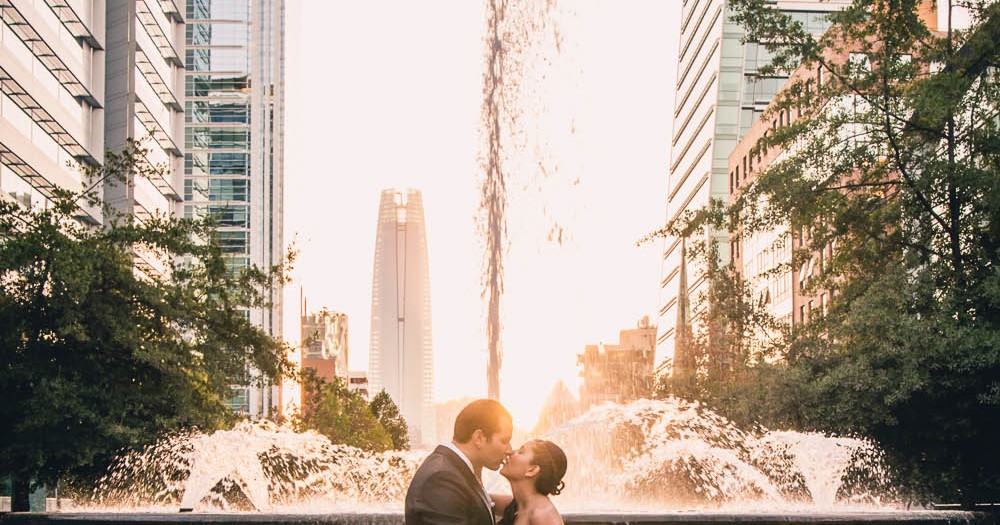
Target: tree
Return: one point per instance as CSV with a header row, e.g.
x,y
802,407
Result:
x,y
100,353
717,354
891,166
332,409
387,413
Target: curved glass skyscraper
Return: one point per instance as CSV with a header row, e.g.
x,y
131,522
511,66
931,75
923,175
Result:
x,y
401,359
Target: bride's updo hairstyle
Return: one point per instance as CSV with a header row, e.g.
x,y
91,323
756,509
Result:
x,y
551,461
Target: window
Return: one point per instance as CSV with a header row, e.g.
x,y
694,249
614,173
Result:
x,y
216,190
240,400
812,22
224,215
212,111
233,242
216,163
210,85
235,265
217,138
859,62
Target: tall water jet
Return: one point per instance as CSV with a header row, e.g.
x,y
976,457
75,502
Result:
x,y
513,28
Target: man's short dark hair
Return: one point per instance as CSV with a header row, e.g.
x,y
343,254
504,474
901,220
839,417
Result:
x,y
485,414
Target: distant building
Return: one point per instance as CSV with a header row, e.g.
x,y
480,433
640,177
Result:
x,y
401,358
324,344
560,407
445,414
622,372
358,382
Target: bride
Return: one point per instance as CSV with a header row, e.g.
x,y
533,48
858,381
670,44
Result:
x,y
535,471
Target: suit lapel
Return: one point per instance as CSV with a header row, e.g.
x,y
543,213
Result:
x,y
469,477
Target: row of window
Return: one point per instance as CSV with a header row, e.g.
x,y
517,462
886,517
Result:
x,y
761,90
217,190
217,138
211,163
813,22
225,215
236,242
212,111
214,85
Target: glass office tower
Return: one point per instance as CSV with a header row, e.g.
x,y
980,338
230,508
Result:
x,y
234,136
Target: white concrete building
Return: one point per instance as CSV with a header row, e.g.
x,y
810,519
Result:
x,y
52,105
145,43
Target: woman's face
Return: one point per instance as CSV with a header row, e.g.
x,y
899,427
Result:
x,y
520,462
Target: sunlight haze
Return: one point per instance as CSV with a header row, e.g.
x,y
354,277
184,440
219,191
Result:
x,y
386,94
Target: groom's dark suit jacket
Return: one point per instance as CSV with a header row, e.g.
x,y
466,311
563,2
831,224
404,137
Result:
x,y
445,492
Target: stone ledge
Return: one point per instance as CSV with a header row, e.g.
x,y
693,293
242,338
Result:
x,y
928,517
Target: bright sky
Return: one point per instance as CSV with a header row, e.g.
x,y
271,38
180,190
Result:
x,y
385,94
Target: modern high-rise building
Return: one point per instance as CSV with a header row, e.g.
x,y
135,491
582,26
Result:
x,y
234,144
719,96
401,359
52,111
144,72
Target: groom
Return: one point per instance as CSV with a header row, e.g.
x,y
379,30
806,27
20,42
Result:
x,y
447,489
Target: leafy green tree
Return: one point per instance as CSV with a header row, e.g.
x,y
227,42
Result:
x,y
339,413
890,168
387,413
100,353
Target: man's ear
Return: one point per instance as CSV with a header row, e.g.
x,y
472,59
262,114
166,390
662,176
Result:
x,y
478,437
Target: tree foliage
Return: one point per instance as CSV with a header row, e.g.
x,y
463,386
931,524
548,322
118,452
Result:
x,y
890,167
342,415
100,352
387,413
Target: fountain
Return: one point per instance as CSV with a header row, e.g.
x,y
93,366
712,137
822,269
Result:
x,y
628,464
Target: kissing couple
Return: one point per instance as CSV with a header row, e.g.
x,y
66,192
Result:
x,y
448,489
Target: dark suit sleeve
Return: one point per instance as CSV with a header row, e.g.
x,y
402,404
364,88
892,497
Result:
x,y
441,502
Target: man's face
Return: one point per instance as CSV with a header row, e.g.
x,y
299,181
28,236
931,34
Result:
x,y
497,447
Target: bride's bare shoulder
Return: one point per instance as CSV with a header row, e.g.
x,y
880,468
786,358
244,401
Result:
x,y
545,515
